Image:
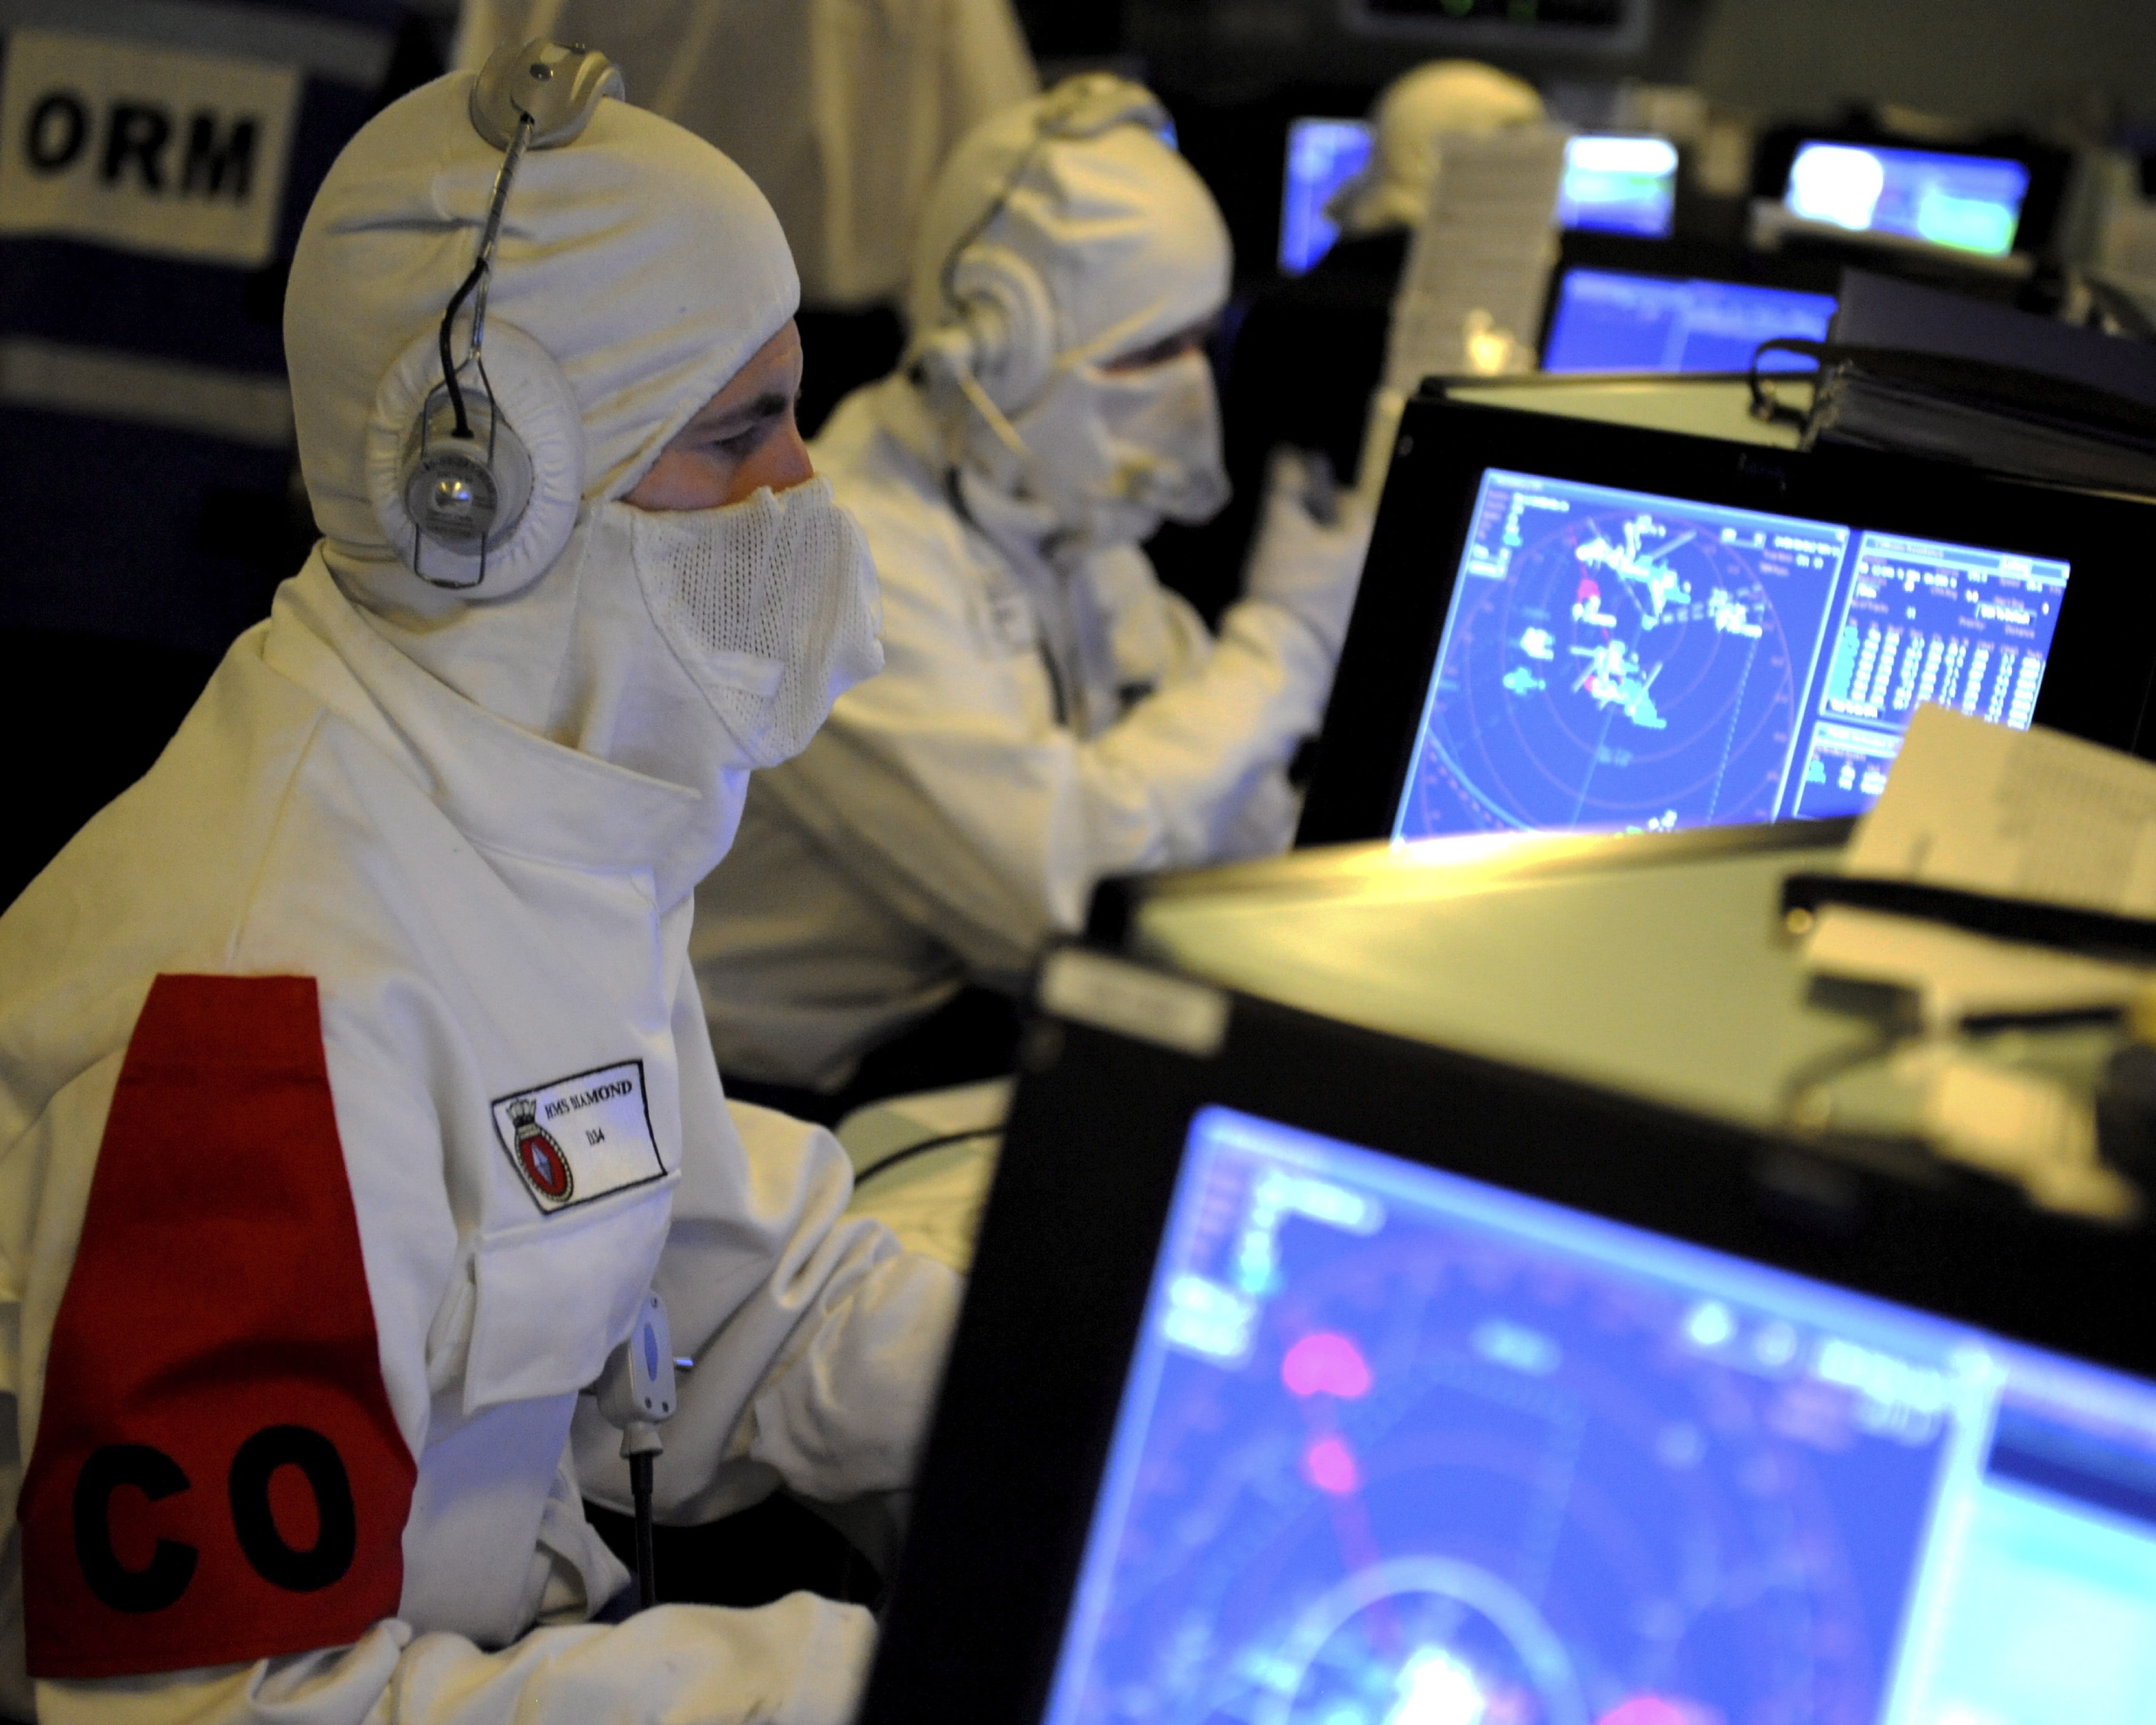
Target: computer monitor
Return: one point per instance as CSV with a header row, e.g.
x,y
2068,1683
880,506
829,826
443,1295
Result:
x,y
1396,1445
1619,183
1565,626
1322,155
1613,183
1617,658
1614,320
1396,1387
1963,202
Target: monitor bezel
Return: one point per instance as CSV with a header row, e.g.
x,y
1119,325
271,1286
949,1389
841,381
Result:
x,y
2095,685
1098,1127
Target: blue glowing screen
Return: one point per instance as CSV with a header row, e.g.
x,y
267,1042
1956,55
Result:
x,y
1397,1448
1619,185
1616,660
1322,155
1969,203
1613,320
1611,185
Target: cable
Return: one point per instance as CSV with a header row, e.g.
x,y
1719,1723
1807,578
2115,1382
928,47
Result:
x,y
511,157
647,1562
449,365
921,1149
1765,405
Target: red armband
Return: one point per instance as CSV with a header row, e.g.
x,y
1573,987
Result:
x,y
217,1476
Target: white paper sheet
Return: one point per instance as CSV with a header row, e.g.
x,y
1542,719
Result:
x,y
1470,299
2021,814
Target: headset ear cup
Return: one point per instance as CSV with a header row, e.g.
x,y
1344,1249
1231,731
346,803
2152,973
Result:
x,y
534,401
1006,307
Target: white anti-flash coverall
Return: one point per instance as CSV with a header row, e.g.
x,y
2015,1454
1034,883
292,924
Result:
x,y
476,906
490,918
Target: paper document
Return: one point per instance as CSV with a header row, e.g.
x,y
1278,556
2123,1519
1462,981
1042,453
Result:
x,y
2022,814
1471,297
2025,814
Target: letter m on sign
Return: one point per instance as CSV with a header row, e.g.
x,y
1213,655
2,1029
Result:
x,y
218,166
218,1476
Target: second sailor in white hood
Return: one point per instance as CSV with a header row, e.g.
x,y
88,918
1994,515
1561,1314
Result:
x,y
1050,714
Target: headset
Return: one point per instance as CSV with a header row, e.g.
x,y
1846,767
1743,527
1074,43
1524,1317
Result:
x,y
466,478
1005,329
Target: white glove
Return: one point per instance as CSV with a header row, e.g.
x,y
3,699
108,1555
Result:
x,y
1308,558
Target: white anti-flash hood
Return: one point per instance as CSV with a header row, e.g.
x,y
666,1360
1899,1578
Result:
x,y
1415,111
650,268
1084,249
1118,228
645,263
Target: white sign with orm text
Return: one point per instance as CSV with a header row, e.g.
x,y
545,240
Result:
x,y
154,149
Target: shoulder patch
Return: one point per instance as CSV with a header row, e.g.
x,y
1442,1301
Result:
x,y
582,1136
217,1476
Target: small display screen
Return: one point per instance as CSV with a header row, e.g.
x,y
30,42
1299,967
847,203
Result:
x,y
1969,203
1611,185
1616,660
1612,320
1322,155
1399,1448
1619,185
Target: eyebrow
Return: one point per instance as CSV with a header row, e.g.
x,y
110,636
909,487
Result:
x,y
741,414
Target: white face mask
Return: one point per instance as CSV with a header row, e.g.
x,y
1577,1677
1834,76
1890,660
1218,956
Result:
x,y
770,605
1114,453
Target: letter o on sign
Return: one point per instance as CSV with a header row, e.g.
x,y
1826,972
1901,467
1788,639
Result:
x,y
57,127
337,1542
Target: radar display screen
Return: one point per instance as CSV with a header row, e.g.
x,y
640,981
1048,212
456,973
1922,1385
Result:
x,y
1616,661
1612,184
1399,1448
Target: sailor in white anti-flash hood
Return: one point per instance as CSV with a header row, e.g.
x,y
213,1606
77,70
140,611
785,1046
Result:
x,y
353,1082
1411,118
1049,714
